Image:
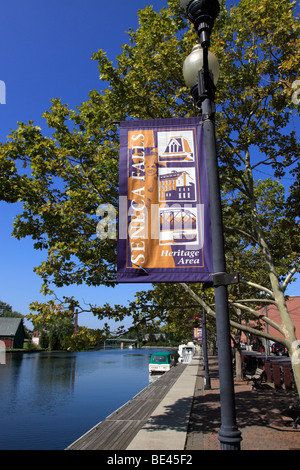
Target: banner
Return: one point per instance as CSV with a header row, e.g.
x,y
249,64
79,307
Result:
x,y
164,221
197,335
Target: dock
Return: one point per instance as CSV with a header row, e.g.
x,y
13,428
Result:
x,y
156,418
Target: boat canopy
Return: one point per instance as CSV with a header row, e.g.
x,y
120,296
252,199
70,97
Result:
x,y
161,357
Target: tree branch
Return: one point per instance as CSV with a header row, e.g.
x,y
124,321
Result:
x,y
242,232
289,277
259,287
234,324
258,315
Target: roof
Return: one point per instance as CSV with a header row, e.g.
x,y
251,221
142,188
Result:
x,y
162,353
9,326
173,174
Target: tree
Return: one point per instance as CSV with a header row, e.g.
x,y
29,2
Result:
x,y
86,338
44,339
7,311
59,332
74,171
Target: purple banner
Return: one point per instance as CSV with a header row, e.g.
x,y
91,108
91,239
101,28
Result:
x,y
197,334
164,221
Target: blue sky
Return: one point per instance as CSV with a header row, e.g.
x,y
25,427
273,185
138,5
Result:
x,y
45,52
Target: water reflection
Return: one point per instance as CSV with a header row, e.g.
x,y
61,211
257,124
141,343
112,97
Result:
x,y
49,400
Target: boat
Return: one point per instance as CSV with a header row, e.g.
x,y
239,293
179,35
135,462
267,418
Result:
x,y
161,362
186,352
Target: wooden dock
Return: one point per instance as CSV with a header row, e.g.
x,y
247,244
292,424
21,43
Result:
x,y
118,429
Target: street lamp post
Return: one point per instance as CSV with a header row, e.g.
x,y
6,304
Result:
x,y
207,385
201,73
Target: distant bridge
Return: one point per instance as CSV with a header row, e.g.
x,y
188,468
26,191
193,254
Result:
x,y
122,341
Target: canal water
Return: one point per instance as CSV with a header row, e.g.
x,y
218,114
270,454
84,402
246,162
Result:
x,y
48,400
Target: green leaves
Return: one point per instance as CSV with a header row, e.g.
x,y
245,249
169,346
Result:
x,y
64,178
66,185
256,45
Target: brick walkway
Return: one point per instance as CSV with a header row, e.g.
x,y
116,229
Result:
x,y
261,416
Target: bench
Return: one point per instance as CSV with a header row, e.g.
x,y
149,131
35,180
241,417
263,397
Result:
x,y
287,376
276,375
255,378
268,371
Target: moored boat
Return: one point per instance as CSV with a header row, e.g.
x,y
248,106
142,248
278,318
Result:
x,y
161,362
186,352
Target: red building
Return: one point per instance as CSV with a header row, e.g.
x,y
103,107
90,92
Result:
x,y
293,306
12,332
176,186
271,311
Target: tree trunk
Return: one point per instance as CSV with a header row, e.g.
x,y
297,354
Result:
x,y
287,325
294,353
238,364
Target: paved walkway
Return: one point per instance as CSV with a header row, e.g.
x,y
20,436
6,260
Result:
x,y
262,416
167,427
189,417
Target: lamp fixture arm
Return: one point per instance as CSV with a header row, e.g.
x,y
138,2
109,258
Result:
x,y
206,88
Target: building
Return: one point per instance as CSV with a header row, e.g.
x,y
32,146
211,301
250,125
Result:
x,y
178,149
12,332
176,186
271,311
293,306
36,336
